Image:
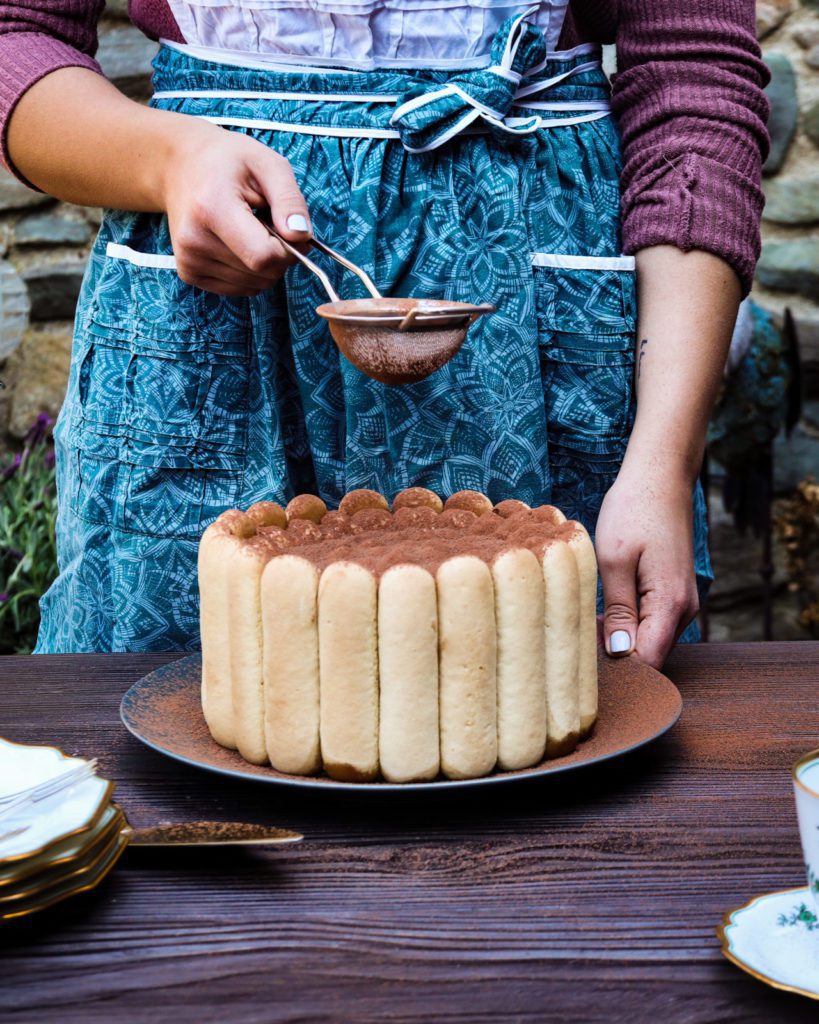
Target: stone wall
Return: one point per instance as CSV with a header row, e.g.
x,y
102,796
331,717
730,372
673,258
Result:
x,y
43,249
44,245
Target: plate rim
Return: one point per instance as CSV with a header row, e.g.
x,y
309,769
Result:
x,y
89,860
371,788
725,943
105,800
122,844
11,879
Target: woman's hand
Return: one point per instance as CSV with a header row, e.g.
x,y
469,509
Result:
x,y
212,183
79,139
645,553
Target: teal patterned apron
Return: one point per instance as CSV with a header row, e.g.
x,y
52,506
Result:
x,y
472,185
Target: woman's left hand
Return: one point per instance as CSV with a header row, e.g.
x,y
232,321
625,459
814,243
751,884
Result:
x,y
645,553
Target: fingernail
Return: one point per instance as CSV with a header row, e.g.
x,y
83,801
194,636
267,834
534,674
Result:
x,y
619,642
296,222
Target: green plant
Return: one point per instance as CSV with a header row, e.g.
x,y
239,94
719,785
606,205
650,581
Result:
x,y
28,552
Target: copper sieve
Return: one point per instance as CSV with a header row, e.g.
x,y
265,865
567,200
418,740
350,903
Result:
x,y
395,341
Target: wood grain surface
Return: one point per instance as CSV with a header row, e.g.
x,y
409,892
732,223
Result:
x,y
593,898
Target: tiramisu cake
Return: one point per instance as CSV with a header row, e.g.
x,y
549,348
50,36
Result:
x,y
434,638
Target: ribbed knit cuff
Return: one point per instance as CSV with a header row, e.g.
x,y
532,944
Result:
x,y
698,204
25,58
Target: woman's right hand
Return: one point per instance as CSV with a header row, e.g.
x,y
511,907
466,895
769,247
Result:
x,y
212,182
78,138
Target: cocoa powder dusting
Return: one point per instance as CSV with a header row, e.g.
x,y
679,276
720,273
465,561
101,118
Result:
x,y
364,531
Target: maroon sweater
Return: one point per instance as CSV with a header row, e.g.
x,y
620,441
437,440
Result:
x,y
687,97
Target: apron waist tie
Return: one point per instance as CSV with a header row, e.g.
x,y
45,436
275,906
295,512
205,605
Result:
x,y
427,118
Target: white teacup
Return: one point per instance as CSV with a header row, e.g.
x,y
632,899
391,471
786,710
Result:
x,y
806,787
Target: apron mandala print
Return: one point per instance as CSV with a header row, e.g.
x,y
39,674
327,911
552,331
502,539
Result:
x,y
493,177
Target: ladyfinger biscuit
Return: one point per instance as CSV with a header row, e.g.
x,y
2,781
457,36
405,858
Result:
x,y
583,551
510,507
472,501
549,514
355,501
521,665
245,631
290,666
417,497
268,513
467,667
348,672
216,550
561,622
306,506
408,674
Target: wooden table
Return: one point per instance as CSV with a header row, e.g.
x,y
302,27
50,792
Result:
x,y
592,900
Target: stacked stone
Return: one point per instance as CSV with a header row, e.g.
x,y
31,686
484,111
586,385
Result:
x,y
44,247
788,271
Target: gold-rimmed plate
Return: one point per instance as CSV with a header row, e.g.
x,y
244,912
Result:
x,y
67,887
29,830
775,939
85,860
164,711
64,852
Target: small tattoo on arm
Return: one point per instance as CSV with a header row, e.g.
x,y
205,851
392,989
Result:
x,y
641,356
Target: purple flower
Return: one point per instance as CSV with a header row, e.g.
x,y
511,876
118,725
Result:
x,y
39,430
4,597
12,468
48,458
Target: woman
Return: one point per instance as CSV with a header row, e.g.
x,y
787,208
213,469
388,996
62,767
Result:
x,y
463,149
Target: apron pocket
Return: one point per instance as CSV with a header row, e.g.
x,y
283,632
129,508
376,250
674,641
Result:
x,y
164,362
159,433
140,295
179,502
157,493
586,323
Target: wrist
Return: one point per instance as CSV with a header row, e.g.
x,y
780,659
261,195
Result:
x,y
674,467
174,141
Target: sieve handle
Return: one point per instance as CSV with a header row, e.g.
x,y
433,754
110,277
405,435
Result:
x,y
364,277
264,218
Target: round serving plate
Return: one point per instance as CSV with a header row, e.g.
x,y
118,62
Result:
x,y
163,710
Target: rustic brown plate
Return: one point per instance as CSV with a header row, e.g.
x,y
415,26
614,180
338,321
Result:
x,y
163,710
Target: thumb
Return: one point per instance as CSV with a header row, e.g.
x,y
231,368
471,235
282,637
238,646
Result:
x,y
620,604
277,183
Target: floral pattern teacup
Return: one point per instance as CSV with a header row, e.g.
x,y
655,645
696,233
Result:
x,y
806,787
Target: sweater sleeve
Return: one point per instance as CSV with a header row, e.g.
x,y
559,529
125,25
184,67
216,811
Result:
x,y
689,102
36,38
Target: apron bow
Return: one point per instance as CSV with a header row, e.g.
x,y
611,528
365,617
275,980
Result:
x,y
427,118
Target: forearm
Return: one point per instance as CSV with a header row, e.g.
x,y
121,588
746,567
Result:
x,y
687,306
75,136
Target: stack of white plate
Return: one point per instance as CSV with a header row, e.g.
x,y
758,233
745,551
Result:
x,y
60,846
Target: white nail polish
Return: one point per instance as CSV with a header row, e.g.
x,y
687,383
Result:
x,y
296,222
619,642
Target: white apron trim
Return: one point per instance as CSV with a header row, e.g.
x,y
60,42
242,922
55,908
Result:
x,y
357,97
558,261
237,94
337,132
115,251
561,262
332,131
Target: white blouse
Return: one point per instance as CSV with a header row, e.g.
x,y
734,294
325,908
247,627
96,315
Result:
x,y
359,34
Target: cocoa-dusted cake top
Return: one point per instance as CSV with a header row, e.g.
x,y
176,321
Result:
x,y
420,529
